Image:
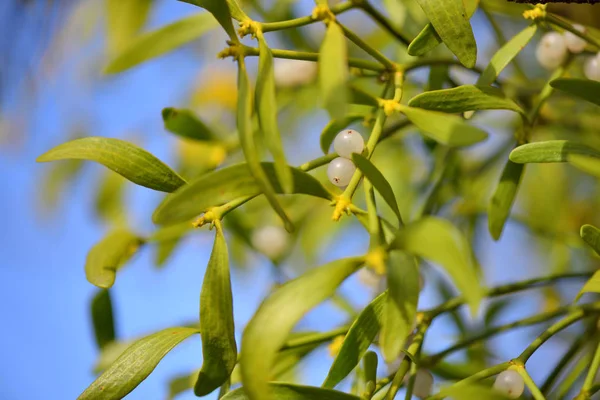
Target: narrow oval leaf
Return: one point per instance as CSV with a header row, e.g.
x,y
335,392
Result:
x,y
218,187
333,71
591,235
124,19
379,182
551,151
102,318
221,11
370,366
361,334
450,130
278,314
465,98
591,286
135,364
587,164
437,240
108,255
449,18
585,89
266,109
504,197
156,43
360,96
246,134
289,391
216,321
124,158
185,123
181,384
505,55
401,306
334,127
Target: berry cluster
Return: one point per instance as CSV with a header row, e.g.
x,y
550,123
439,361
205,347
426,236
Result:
x,y
341,169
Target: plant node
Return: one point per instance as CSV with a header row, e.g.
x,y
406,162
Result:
x,y
375,259
211,216
342,205
323,13
536,13
235,50
389,106
249,27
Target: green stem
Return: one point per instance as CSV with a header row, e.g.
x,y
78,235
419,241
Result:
x,y
318,162
546,92
589,379
555,20
486,373
535,391
382,21
431,62
575,372
315,338
302,21
594,389
374,228
376,54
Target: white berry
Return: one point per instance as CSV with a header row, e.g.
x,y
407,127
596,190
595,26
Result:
x,y
370,278
272,241
340,171
552,50
347,142
423,384
591,68
510,383
292,73
575,44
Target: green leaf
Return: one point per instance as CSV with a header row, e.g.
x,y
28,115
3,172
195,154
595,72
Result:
x,y
289,391
424,42
361,334
505,55
278,314
109,198
185,124
236,11
370,366
585,89
221,11
266,109
465,98
223,185
401,306
216,321
450,130
437,240
128,160
449,18
102,318
124,19
246,134
55,182
591,286
591,235
109,354
333,71
161,41
135,364
379,182
504,197
108,255
551,151
586,164
334,127
180,384
359,96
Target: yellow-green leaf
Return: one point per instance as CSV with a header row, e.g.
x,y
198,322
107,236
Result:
x,y
181,384
156,43
278,314
218,187
109,203
289,391
503,198
370,366
360,96
447,129
551,151
124,158
110,254
450,21
124,19
266,110
437,240
334,127
361,334
591,235
465,98
586,164
135,364
591,286
333,71
216,321
102,318
221,11
585,89
424,42
186,124
400,308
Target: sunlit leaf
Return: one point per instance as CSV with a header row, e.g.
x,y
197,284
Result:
x,y
447,129
109,201
218,187
156,43
217,329
124,19
585,89
334,127
221,11
108,255
135,364
440,242
128,160
333,71
289,391
181,384
591,286
552,151
591,235
109,354
56,181
186,124
278,314
504,197
361,334
102,318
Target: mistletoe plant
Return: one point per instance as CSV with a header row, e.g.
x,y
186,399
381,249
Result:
x,y
387,94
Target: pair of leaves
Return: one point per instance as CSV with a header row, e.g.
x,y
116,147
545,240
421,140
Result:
x,y
585,89
333,71
504,197
124,158
591,235
449,22
164,40
278,314
289,391
437,240
135,364
218,187
108,255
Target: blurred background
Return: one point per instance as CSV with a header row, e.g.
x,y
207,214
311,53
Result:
x,y
53,89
